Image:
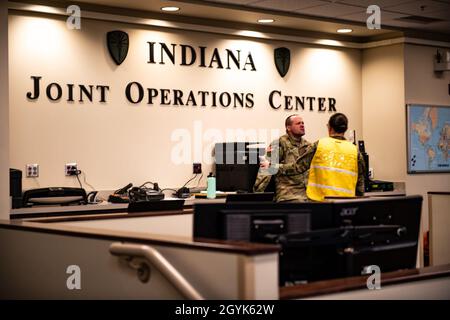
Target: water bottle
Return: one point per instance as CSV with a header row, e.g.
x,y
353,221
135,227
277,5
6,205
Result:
x,y
211,186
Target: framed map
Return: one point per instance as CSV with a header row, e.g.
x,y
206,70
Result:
x,y
428,134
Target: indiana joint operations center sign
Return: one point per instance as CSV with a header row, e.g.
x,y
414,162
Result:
x,y
186,56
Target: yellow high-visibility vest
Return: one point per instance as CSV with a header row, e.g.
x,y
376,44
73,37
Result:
x,y
333,170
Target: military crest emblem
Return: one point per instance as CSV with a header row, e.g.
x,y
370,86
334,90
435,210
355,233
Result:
x,y
282,60
118,43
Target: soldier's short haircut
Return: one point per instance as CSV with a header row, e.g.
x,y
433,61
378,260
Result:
x,y
288,120
338,122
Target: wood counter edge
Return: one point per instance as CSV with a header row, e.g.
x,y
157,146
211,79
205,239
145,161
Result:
x,y
360,282
236,247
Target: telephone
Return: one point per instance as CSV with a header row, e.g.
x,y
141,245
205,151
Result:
x,y
183,192
136,194
120,195
54,196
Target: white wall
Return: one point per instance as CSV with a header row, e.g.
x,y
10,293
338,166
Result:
x,y
422,85
384,111
4,114
393,76
118,142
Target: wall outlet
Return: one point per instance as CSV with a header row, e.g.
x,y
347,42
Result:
x,y
71,169
371,173
32,170
197,168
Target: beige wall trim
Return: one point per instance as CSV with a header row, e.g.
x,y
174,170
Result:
x,y
5,202
245,278
258,277
389,42
425,42
382,43
438,204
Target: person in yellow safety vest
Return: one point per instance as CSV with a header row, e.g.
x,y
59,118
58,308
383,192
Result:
x,y
336,168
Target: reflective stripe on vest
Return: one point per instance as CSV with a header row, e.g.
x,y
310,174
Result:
x,y
333,170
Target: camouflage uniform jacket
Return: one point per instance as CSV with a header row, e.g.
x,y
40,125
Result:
x,y
288,187
304,161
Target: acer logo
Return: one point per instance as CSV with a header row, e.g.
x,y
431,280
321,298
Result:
x,y
345,212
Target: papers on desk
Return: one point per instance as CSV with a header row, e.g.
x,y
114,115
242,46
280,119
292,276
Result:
x,y
219,194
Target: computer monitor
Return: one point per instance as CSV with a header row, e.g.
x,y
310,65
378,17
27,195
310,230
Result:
x,y
266,222
385,232
322,240
254,221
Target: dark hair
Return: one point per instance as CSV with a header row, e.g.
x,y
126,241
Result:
x,y
288,120
338,122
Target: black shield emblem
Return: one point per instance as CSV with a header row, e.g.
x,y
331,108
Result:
x,y
282,60
117,45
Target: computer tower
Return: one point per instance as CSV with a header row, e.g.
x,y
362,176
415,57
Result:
x,y
236,177
237,165
15,187
369,184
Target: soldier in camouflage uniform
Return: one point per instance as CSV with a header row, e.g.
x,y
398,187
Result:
x,y
287,149
303,163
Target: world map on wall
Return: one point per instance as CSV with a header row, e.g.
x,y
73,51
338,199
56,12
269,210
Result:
x,y
429,138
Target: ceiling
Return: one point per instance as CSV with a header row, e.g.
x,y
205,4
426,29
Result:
x,y
428,19
426,15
